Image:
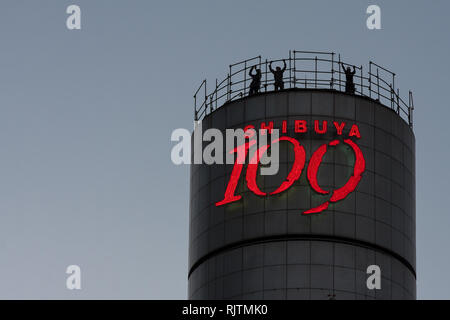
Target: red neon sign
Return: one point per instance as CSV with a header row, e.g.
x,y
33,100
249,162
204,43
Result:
x,y
236,173
350,186
293,176
295,173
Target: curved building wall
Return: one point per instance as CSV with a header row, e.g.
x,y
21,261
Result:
x,y
265,248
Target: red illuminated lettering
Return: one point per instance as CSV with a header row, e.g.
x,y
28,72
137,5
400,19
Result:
x,y
313,167
249,133
264,127
343,192
323,206
293,175
298,165
359,167
300,126
354,132
284,126
319,130
339,127
236,173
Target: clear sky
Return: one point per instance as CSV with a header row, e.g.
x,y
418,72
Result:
x,y
86,118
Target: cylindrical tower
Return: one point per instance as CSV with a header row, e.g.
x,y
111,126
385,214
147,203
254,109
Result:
x,y
316,239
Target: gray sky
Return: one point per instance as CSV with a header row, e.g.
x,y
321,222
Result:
x,y
86,118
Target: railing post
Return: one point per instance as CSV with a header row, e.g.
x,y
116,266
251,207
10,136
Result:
x,y
362,88
398,100
332,71
195,107
392,97
411,109
393,90
265,77
245,76
339,72
216,93
393,81
315,71
229,86
211,103
290,70
260,68
378,85
295,71
206,99
370,79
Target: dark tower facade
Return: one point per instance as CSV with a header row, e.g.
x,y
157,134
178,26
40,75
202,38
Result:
x,y
316,238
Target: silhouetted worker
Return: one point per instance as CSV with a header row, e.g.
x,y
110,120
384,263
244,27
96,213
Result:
x,y
278,76
256,81
349,84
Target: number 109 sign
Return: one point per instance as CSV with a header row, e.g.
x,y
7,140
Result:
x,y
295,172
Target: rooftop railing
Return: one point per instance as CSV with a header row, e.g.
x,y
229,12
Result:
x,y
307,70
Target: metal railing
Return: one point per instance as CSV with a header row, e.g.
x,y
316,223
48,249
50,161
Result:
x,y
308,70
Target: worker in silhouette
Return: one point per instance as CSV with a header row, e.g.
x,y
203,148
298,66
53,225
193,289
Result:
x,y
256,80
349,84
278,76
